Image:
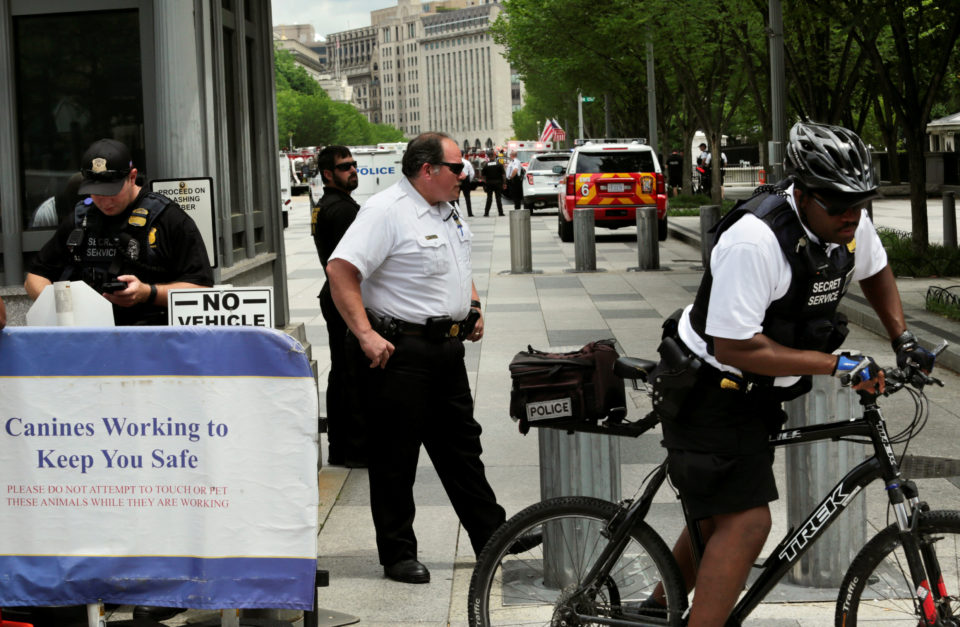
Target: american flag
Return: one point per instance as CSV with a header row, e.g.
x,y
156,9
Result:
x,y
552,132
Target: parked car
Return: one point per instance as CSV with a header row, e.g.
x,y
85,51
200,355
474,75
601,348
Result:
x,y
540,183
614,179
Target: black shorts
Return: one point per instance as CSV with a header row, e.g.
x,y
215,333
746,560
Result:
x,y
719,456
713,484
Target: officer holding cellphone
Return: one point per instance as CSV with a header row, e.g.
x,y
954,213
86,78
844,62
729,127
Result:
x,y
127,243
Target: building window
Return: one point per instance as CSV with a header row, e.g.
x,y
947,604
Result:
x,y
62,112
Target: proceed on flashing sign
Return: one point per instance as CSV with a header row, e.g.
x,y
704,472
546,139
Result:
x,y
221,307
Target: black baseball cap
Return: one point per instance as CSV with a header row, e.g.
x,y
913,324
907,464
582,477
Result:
x,y
105,167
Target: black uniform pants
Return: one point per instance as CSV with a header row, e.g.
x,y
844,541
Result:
x,y
465,192
493,189
423,397
346,429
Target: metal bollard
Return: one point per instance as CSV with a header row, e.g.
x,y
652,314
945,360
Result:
x,y
648,242
949,220
709,216
521,256
577,464
584,241
814,470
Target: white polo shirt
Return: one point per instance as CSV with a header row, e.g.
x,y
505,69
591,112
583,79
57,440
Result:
x,y
413,257
513,167
750,272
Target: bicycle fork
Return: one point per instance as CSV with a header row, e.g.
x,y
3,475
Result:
x,y
932,597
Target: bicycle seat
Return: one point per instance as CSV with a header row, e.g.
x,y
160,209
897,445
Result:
x,y
633,368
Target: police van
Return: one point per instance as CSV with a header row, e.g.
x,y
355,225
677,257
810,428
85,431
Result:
x,y
378,167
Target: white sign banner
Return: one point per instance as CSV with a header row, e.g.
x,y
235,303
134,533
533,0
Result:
x,y
157,466
235,306
195,196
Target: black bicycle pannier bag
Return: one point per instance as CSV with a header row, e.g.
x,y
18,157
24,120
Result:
x,y
562,389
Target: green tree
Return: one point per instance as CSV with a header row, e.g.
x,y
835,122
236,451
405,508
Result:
x,y
307,114
910,73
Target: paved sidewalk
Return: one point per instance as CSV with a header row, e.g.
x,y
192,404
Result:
x,y
558,308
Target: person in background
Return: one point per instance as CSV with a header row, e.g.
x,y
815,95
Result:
x,y
675,171
494,182
514,181
333,215
467,185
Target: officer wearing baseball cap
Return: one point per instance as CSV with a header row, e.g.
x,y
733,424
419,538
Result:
x,y
129,244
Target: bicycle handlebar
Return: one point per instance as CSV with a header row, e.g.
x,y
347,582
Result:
x,y
897,378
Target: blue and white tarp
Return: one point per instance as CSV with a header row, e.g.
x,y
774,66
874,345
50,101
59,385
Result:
x,y
157,466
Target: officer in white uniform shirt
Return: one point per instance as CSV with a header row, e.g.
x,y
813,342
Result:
x,y
765,318
406,259
466,185
514,182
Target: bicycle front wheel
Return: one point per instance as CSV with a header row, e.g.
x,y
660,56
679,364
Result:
x,y
545,584
878,589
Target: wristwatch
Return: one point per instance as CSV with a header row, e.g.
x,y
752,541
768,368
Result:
x,y
475,304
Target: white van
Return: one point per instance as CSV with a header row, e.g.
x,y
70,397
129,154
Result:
x,y
377,168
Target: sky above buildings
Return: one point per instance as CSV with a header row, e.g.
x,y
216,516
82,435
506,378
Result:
x,y
327,16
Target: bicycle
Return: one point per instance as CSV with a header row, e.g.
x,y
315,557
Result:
x,y
599,562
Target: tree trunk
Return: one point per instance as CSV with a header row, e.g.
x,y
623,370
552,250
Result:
x,y
918,186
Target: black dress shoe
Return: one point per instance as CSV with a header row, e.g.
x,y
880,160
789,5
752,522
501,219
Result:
x,y
526,542
407,571
156,613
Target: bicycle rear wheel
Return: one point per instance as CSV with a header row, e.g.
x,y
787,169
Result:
x,y
878,589
541,586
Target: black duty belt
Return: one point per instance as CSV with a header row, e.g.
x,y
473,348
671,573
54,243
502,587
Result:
x,y
440,328
711,374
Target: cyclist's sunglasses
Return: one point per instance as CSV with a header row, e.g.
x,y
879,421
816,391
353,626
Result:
x,y
834,210
346,166
456,168
104,175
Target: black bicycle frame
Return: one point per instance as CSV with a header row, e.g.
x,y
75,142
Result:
x,y
882,465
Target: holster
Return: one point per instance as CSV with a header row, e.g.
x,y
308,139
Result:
x,y
438,328
676,374
386,326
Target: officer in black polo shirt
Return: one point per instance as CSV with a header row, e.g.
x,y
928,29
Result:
x,y
330,219
129,244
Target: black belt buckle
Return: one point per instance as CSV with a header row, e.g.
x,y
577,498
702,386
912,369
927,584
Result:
x,y
440,328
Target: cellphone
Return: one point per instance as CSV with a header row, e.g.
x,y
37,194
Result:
x,y
113,286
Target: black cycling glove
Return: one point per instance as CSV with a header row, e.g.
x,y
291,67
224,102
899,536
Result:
x,y
848,362
909,352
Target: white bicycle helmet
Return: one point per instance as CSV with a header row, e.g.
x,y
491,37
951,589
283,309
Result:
x,y
830,159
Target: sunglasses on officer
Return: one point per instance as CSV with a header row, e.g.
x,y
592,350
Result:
x,y
346,166
456,168
836,210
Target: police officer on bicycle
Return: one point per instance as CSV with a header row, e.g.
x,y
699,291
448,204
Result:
x,y
764,319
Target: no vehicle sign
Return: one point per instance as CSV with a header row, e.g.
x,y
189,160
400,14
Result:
x,y
235,306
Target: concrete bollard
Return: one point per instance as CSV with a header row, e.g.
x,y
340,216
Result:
x,y
949,220
648,242
814,470
709,216
584,241
521,256
573,464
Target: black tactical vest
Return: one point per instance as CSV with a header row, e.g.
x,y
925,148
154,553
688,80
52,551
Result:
x,y
99,254
806,316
